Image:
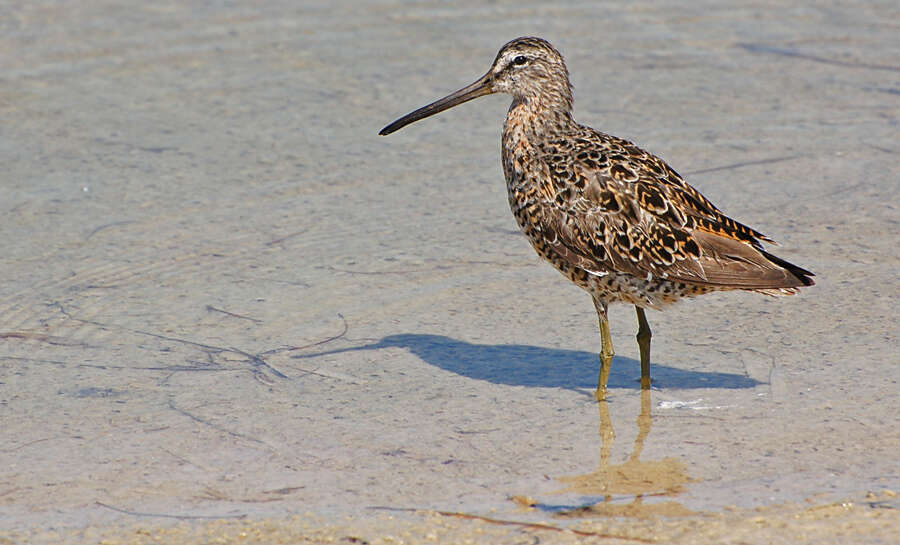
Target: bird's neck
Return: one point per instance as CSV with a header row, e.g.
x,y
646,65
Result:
x,y
538,117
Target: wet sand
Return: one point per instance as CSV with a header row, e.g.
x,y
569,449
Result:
x,y
823,524
226,296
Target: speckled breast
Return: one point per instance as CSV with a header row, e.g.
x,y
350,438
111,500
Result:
x,y
522,172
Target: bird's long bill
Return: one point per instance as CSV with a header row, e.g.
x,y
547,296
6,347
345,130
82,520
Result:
x,y
479,88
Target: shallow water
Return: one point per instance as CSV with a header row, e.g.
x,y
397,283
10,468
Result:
x,y
225,295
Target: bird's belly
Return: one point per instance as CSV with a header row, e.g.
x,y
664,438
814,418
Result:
x,y
614,287
606,285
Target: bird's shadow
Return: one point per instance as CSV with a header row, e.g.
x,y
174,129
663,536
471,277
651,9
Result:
x,y
526,365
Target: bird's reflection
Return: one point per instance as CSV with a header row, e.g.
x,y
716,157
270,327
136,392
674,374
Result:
x,y
622,488
611,489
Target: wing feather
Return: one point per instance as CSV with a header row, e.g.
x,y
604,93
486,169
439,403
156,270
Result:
x,y
610,205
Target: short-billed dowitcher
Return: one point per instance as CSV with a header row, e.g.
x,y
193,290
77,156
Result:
x,y
614,219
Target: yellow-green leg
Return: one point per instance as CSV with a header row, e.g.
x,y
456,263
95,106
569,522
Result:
x,y
643,339
606,350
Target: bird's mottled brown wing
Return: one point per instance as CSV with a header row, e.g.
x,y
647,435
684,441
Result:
x,y
609,205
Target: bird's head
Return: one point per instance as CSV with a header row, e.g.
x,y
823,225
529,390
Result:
x,y
529,69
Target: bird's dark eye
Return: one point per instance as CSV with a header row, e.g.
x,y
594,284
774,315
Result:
x,y
520,60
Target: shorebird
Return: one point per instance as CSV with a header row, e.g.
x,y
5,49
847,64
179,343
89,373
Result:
x,y
614,219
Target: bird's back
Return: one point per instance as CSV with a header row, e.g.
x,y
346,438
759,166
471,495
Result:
x,y
607,213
